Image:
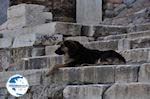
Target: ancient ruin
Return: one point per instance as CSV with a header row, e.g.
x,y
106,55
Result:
x,y
33,28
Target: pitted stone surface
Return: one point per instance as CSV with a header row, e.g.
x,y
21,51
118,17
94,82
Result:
x,y
126,74
89,12
144,73
36,39
94,91
128,91
23,15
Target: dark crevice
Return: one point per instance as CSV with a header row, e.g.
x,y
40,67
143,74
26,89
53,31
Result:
x,y
103,94
138,71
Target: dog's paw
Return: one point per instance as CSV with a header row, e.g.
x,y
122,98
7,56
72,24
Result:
x,y
52,70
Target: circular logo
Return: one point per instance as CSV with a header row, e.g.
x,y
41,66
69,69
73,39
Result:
x,y
17,85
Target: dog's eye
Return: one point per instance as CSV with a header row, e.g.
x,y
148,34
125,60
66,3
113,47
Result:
x,y
62,46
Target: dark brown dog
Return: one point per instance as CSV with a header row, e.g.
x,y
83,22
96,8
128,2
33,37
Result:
x,y
76,54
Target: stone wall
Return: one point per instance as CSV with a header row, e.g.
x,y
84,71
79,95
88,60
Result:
x,y
122,8
126,11
63,10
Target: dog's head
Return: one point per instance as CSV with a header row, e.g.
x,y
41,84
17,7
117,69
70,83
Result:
x,y
69,47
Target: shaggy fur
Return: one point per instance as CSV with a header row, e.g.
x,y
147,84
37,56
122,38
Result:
x,y
76,54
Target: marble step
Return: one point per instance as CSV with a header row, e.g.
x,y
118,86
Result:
x,y
100,91
107,74
131,35
133,56
115,82
121,45
93,91
67,29
128,91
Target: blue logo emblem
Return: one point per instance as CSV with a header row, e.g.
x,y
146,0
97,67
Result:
x,y
17,85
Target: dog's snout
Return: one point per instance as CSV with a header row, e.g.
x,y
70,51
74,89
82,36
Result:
x,y
59,51
56,51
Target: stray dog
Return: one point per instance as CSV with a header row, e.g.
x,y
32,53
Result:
x,y
75,54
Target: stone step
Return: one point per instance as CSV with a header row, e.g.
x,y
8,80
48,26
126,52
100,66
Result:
x,y
20,58
133,56
144,73
33,76
121,45
29,40
99,45
123,76
131,35
67,29
139,27
39,62
13,56
97,74
94,91
78,75
137,56
128,91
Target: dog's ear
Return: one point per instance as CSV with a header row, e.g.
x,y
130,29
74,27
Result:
x,y
59,43
73,46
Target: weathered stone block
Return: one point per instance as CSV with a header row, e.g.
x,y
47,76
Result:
x,y
132,35
47,29
143,42
128,91
81,39
17,54
143,27
5,59
87,30
39,62
89,74
115,1
33,76
71,29
115,37
138,34
126,74
38,51
24,9
65,28
28,20
36,39
128,2
89,12
50,50
123,44
102,45
4,4
6,42
84,91
140,55
105,30
23,15
144,73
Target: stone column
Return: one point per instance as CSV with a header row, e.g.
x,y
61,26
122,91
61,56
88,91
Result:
x,y
4,4
89,11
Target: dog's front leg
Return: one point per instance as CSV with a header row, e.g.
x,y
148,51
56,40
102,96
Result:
x,y
55,68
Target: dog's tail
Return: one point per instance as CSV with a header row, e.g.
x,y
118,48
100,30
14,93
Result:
x,y
120,57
